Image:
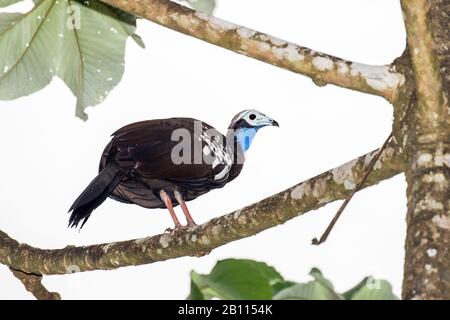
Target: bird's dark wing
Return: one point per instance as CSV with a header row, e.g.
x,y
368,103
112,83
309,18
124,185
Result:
x,y
147,147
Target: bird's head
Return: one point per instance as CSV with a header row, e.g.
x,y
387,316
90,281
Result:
x,y
246,123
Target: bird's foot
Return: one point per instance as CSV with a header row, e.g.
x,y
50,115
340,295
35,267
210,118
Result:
x,y
174,229
180,228
169,230
191,224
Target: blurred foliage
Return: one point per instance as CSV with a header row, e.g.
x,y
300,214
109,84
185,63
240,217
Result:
x,y
81,42
238,279
5,3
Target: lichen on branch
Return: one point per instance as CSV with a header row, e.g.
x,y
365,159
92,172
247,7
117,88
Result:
x,y
33,284
427,261
306,196
322,68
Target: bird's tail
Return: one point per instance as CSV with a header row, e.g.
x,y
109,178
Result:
x,y
95,193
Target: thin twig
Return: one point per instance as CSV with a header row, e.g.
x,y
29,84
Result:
x,y
374,160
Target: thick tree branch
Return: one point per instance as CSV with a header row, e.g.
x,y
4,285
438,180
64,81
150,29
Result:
x,y
33,284
277,209
322,68
427,261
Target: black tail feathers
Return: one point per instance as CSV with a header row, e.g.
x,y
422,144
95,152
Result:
x,y
95,193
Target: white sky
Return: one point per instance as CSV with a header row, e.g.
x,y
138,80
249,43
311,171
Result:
x,y
49,156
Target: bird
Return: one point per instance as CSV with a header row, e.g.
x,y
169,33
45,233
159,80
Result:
x,y
163,163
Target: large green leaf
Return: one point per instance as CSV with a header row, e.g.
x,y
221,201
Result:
x,y
247,279
82,43
277,287
196,293
317,275
348,294
5,3
371,289
319,289
236,279
312,290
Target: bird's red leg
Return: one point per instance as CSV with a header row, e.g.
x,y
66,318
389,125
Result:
x,y
187,214
166,199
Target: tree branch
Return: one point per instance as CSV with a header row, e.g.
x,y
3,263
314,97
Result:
x,y
427,261
322,68
33,284
358,187
277,209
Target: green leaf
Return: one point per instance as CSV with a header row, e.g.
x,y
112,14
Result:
x,y
82,43
5,3
371,289
348,294
247,279
268,272
319,289
138,40
196,293
278,286
238,279
206,6
317,275
312,290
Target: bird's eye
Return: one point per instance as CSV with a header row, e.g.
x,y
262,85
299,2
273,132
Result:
x,y
252,116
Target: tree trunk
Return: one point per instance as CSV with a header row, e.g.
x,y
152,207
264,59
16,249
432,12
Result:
x,y
427,260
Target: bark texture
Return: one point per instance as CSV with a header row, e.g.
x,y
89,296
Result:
x,y
427,261
322,68
33,284
417,84
277,209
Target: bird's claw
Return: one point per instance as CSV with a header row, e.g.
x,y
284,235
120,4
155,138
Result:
x,y
169,230
180,228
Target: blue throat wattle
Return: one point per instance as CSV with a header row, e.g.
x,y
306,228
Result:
x,y
244,136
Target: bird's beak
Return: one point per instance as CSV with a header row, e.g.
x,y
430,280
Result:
x,y
267,121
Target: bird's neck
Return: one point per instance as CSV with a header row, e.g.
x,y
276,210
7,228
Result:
x,y
243,137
